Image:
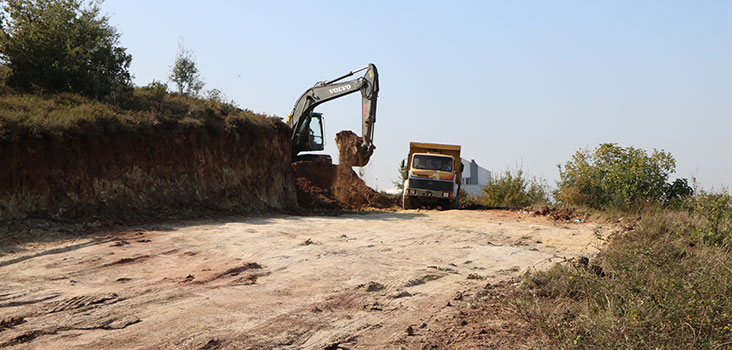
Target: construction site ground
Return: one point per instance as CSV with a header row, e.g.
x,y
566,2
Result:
x,y
370,280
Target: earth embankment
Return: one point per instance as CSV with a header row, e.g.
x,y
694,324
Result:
x,y
243,166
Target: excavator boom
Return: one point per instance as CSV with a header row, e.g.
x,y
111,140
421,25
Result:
x,y
302,115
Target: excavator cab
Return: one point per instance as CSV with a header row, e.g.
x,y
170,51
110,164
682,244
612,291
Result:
x,y
311,133
315,135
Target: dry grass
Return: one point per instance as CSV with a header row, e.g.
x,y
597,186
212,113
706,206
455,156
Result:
x,y
653,288
63,114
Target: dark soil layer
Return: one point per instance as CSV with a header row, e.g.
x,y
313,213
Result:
x,y
243,167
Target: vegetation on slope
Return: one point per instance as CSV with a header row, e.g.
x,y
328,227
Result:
x,y
23,114
666,283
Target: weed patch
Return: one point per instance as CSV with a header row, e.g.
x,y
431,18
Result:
x,y
651,288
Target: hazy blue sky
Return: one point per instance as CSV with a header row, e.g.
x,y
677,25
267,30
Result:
x,y
516,83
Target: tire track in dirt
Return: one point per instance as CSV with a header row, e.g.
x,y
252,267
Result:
x,y
356,281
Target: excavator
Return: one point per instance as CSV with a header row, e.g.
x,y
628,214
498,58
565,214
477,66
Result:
x,y
307,125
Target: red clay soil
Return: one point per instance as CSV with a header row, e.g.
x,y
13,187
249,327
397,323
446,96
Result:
x,y
123,172
313,182
350,149
326,186
481,321
317,184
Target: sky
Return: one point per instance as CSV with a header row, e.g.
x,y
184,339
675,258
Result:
x,y
518,84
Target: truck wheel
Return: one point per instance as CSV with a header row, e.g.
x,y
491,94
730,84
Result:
x,y
406,202
446,204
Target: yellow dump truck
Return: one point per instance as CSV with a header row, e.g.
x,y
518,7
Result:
x,y
433,175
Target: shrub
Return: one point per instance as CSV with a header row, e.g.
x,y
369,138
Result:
x,y
399,182
716,210
157,89
468,200
217,96
62,46
514,190
615,177
4,76
185,73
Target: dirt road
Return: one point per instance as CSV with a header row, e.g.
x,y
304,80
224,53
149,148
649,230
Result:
x,y
287,282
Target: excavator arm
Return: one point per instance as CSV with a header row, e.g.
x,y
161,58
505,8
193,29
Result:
x,y
302,114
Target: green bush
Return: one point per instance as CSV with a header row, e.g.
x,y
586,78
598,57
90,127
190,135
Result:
x,y
514,190
4,76
614,177
649,289
185,74
716,210
157,89
61,46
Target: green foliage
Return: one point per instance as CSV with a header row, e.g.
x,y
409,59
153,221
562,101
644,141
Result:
x,y
466,199
649,289
217,96
399,183
185,73
62,46
676,193
157,89
514,190
716,209
615,177
4,76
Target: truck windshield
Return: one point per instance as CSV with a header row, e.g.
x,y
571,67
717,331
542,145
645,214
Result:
x,y
421,161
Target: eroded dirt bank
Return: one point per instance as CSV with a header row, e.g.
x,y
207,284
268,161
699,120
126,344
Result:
x,y
358,281
244,167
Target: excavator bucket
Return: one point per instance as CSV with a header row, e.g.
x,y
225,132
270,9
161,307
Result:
x,y
352,150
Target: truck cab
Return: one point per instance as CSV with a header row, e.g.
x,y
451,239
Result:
x,y
433,175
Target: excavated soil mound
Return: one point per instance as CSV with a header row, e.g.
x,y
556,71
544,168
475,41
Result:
x,y
313,181
328,186
318,183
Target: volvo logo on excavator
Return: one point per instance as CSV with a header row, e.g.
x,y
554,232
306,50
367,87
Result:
x,y
340,89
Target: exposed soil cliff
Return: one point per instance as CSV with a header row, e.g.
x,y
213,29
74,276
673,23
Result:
x,y
244,167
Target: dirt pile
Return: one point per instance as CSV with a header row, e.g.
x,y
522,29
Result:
x,y
562,214
350,190
314,182
327,186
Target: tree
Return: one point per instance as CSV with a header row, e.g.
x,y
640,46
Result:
x,y
618,177
62,46
402,177
185,73
514,190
